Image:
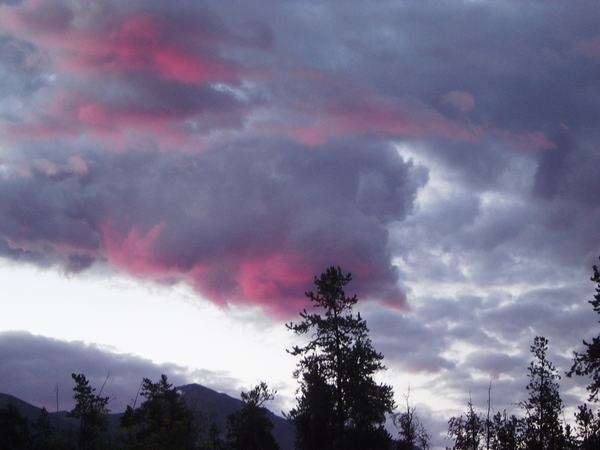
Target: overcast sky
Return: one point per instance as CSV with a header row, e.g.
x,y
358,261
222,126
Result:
x,y
174,174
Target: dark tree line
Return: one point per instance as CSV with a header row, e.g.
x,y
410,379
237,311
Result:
x,y
163,421
339,404
542,426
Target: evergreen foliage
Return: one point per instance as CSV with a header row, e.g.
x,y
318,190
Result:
x,y
543,424
162,421
250,427
340,406
587,363
587,428
507,432
92,412
14,429
467,430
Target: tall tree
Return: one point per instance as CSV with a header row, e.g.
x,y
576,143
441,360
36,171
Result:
x,y
339,363
250,427
587,428
543,424
467,430
410,429
163,420
92,412
587,363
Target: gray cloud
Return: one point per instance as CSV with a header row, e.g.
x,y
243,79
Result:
x,y
220,209
280,162
45,363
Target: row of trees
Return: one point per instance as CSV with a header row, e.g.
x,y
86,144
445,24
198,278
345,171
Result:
x,y
543,426
339,404
164,421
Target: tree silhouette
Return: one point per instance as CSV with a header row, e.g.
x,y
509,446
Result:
x,y
543,424
587,428
163,420
467,430
410,429
14,429
507,432
92,412
44,437
250,427
339,399
587,363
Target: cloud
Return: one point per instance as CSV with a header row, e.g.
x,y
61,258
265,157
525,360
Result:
x,y
462,101
252,223
244,147
48,363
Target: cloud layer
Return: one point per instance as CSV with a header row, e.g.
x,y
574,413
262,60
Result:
x,y
47,364
444,153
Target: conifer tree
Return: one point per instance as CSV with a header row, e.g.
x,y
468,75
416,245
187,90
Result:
x,y
587,428
543,424
587,363
410,429
340,406
163,420
250,427
467,430
14,429
506,432
92,412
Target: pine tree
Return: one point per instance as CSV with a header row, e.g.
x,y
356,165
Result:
x,y
507,432
14,429
250,428
587,363
44,434
467,430
588,428
543,424
340,406
92,412
163,420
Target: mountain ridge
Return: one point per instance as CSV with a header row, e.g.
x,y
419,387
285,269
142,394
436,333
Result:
x,y
216,406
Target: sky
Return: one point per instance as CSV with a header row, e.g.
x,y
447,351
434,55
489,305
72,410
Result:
x,y
174,174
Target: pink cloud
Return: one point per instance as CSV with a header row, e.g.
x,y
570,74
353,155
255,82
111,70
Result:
x,y
132,251
38,16
462,101
88,41
527,140
375,116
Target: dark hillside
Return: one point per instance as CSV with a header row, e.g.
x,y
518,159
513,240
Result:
x,y
32,412
218,406
214,405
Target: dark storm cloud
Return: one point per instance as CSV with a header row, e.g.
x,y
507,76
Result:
x,y
21,74
17,254
46,363
247,221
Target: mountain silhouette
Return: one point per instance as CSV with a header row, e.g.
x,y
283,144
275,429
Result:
x,y
213,405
